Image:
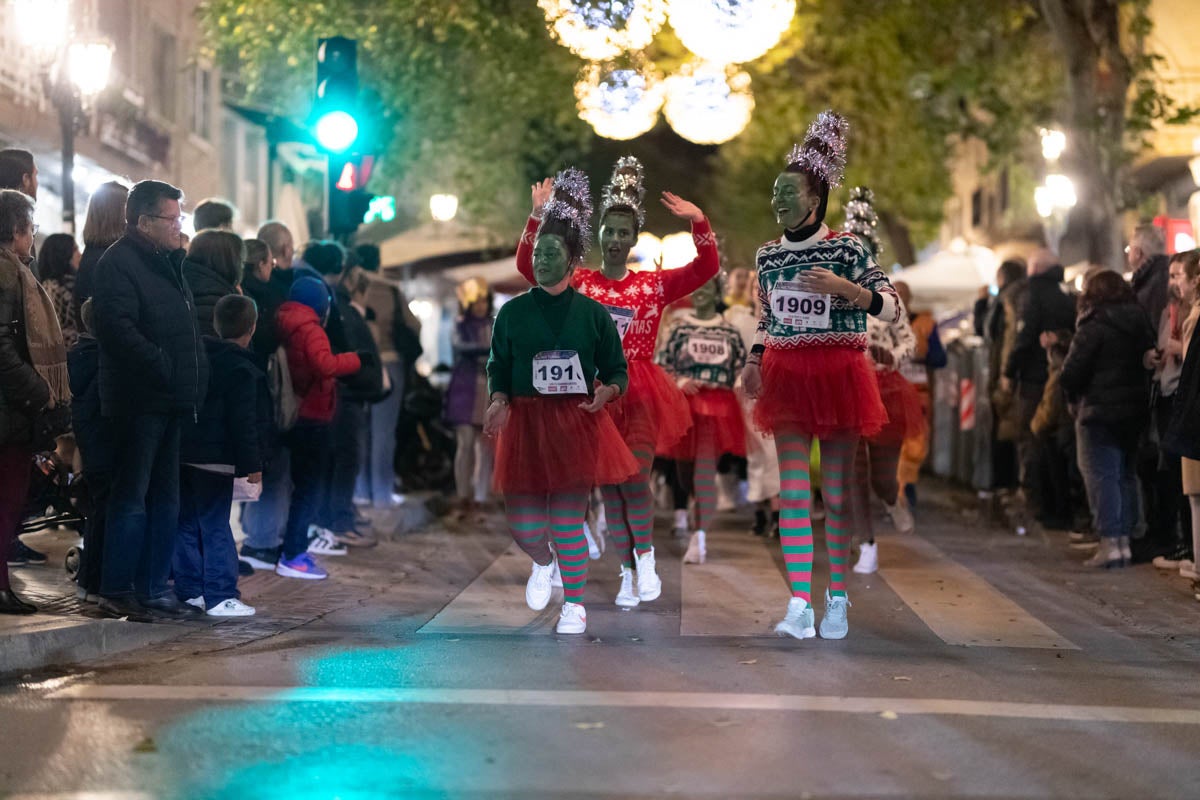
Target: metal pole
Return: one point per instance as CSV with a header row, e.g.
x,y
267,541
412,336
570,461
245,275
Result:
x,y
66,117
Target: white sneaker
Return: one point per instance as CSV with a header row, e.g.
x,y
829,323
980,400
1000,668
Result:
x,y
231,608
324,544
573,619
198,602
681,522
556,575
627,597
799,621
902,518
649,584
1187,569
834,624
868,559
696,551
594,549
539,586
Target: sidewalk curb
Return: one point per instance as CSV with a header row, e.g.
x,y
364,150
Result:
x,y
43,640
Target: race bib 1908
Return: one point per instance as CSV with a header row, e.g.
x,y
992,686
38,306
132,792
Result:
x,y
558,372
622,318
796,308
711,351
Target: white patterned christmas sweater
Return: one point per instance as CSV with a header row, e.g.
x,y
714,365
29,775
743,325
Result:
x,y
792,318
896,338
636,302
709,351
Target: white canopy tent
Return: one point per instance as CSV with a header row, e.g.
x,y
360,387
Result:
x,y
950,279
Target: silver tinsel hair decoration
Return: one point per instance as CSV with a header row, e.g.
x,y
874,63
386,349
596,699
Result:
x,y
571,202
626,188
823,153
861,219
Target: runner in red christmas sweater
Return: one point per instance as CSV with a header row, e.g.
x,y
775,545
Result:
x,y
653,416
705,354
807,368
555,362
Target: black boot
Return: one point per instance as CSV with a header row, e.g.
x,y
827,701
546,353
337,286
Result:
x,y
774,524
760,522
11,604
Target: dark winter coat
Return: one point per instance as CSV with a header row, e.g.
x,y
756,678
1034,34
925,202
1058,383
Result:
x,y
1049,306
85,279
151,358
1183,434
234,426
93,433
1104,372
23,393
313,366
366,385
269,295
207,286
1150,285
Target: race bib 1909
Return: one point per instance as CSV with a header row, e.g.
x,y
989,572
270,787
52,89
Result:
x,y
796,308
622,318
558,372
711,351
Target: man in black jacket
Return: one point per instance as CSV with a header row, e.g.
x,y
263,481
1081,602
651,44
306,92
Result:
x,y
1049,306
153,375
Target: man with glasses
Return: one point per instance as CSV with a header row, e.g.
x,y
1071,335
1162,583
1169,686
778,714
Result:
x,y
153,376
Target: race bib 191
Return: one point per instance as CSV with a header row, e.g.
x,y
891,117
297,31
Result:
x,y
711,351
796,308
622,318
557,372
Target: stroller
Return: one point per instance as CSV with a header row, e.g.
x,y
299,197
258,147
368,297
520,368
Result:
x,y
425,458
56,499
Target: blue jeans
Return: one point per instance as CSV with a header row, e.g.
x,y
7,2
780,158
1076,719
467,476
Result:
x,y
1107,459
310,445
206,562
264,521
377,479
143,508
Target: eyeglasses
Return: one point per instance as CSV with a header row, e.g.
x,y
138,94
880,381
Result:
x,y
181,219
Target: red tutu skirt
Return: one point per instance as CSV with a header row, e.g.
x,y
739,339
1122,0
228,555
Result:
x,y
826,392
550,444
652,411
906,413
718,411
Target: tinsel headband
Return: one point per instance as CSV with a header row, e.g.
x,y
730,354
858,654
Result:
x,y
823,153
861,219
571,204
626,188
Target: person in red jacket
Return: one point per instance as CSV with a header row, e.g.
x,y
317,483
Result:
x,y
653,416
314,371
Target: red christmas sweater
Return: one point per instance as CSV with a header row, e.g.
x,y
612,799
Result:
x,y
636,302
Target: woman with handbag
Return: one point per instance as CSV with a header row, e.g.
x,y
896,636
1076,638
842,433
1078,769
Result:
x,y
35,394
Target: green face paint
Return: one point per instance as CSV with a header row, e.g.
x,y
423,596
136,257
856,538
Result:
x,y
550,260
704,300
792,200
618,235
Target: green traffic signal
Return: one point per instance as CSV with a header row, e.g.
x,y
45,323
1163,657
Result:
x,y
336,131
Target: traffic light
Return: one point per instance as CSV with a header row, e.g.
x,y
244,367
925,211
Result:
x,y
335,109
349,199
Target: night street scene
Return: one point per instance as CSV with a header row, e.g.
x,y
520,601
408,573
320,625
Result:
x,y
624,399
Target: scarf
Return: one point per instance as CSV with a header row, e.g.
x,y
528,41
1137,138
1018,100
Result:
x,y
43,336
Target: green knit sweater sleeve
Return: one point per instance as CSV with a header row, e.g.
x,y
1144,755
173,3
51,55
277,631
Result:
x,y
499,363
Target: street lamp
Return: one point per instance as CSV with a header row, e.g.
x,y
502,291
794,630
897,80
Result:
x,y
443,207
75,69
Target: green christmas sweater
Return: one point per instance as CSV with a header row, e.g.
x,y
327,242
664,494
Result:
x,y
710,351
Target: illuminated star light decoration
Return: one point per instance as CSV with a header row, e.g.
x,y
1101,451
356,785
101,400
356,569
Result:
x,y
599,30
619,103
861,219
731,31
706,106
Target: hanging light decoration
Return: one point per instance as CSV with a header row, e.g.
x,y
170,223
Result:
x,y
731,31
705,105
619,103
599,30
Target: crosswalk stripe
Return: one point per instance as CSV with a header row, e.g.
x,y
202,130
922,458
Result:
x,y
887,706
738,592
495,602
957,604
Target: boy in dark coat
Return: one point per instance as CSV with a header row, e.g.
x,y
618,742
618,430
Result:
x,y
227,441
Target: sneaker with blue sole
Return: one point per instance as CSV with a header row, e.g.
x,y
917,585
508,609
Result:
x,y
798,623
835,625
